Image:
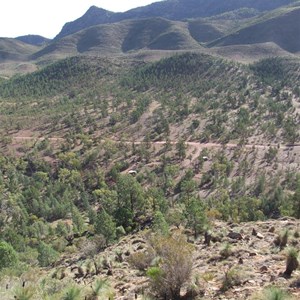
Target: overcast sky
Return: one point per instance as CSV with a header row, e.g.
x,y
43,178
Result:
x,y
46,17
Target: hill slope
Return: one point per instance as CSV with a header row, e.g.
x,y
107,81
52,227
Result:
x,y
122,37
208,29
12,49
214,144
283,29
35,40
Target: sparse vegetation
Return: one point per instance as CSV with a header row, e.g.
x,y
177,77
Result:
x,y
273,293
120,171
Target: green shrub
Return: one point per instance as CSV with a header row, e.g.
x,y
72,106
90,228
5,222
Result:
x,y
72,293
101,290
120,231
272,293
26,293
232,277
226,250
105,225
8,255
282,239
160,226
47,255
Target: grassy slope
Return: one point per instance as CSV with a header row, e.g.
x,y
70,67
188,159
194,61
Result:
x,y
35,40
203,31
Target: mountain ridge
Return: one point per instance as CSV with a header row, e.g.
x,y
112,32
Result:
x,y
93,16
170,9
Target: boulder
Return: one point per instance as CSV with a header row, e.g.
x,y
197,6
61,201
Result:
x,y
235,235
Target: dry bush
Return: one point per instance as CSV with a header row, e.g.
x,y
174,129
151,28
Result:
x,y
91,247
174,266
141,260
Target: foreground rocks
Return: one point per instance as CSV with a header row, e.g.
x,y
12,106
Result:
x,y
252,257
238,261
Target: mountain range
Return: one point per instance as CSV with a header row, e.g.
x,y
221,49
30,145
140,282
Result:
x,y
170,9
239,29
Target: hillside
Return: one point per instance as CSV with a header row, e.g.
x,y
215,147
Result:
x,y
153,154
118,38
99,154
190,74
35,40
162,34
11,49
281,27
208,29
239,260
182,97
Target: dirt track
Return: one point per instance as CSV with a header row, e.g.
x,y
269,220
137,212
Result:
x,y
31,138
194,144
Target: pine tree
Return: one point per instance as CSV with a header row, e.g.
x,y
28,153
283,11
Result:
x,y
160,225
105,225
